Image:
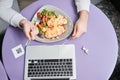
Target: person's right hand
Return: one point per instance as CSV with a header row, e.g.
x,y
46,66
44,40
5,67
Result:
x,y
29,29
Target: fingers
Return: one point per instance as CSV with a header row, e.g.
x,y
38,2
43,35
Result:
x,y
28,35
74,32
34,32
32,35
30,30
77,35
79,29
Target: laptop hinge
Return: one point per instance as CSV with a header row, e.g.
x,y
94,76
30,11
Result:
x,y
53,79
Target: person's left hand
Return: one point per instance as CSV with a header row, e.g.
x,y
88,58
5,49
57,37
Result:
x,y
80,26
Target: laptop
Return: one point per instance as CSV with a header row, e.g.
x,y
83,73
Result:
x,y
46,62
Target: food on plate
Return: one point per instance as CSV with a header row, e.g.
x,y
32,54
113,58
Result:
x,y
50,24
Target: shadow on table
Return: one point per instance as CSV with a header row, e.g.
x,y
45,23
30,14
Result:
x,y
1,40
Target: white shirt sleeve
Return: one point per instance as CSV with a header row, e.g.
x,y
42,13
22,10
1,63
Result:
x,y
13,17
8,14
82,5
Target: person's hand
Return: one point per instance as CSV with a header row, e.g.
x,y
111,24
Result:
x,y
80,25
29,29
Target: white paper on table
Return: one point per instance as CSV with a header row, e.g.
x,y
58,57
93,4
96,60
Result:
x,y
18,51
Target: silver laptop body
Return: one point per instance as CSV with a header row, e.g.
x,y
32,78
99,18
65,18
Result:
x,y
56,62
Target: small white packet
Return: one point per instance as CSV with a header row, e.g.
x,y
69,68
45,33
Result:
x,y
85,49
18,51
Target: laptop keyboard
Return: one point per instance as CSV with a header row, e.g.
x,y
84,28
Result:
x,y
50,68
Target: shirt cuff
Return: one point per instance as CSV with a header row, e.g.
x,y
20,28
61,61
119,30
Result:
x,y
82,5
16,19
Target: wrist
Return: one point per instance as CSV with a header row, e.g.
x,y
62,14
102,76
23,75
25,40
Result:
x,y
84,14
22,23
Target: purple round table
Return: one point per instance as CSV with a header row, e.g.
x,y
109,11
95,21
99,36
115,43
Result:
x,y
3,75
100,40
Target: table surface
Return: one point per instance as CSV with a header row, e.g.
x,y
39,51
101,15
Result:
x,y
3,75
100,40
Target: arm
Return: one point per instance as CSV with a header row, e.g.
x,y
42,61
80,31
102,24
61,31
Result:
x,y
16,19
82,5
8,14
81,24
